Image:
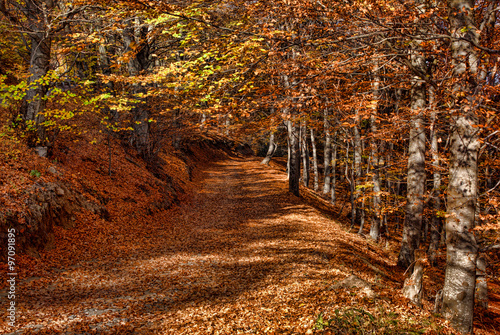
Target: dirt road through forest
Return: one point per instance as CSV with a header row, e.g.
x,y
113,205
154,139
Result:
x,y
243,256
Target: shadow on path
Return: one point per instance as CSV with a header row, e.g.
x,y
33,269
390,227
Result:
x,y
241,249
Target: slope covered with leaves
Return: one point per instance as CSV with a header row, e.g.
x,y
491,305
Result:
x,y
236,254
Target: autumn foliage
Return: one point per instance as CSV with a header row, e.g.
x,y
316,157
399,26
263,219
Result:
x,y
127,129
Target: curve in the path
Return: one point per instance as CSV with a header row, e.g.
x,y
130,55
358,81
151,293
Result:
x,y
244,256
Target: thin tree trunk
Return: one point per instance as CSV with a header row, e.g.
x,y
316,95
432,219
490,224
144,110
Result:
x,y
294,157
390,187
227,125
203,121
270,151
305,154
358,169
315,161
334,166
362,217
375,226
362,208
327,155
351,184
436,224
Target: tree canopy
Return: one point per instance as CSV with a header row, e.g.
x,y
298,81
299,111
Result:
x,y
402,98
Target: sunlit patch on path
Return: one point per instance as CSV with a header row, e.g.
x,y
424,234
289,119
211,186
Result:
x,y
242,256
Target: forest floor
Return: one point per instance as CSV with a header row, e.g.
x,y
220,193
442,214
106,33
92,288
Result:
x,y
238,255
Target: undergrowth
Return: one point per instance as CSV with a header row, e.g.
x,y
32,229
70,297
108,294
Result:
x,y
359,321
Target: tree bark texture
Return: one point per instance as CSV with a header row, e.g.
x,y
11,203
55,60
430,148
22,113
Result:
x,y
413,287
334,167
136,43
436,224
412,229
270,151
375,226
315,160
481,296
33,104
305,154
460,276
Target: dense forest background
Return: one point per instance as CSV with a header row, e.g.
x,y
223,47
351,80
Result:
x,y
390,107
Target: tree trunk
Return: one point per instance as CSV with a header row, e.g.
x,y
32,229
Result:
x,y
334,166
227,125
203,120
362,217
305,154
136,43
436,225
460,275
270,151
481,296
458,291
412,288
294,156
327,155
33,104
375,226
389,187
358,169
351,184
362,208
412,229
315,161
289,153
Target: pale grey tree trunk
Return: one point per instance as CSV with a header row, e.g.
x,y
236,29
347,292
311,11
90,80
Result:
x,y
315,160
334,167
389,187
413,285
305,154
270,151
358,169
436,225
227,125
349,175
412,229
294,157
375,226
362,207
327,155
461,245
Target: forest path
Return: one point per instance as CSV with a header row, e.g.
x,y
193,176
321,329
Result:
x,y
243,256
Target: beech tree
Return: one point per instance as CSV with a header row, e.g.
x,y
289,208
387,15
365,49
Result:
x,y
461,244
384,78
38,22
416,159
